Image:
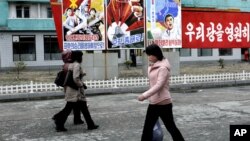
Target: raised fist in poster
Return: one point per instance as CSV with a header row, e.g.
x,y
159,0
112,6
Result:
x,y
136,8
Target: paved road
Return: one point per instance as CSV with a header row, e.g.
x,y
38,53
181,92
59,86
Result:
x,y
202,115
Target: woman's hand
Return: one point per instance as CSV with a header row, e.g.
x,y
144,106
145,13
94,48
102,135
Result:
x,y
81,90
141,98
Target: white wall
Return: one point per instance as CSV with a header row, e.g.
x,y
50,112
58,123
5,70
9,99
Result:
x,y
34,11
100,66
44,10
194,52
12,11
6,50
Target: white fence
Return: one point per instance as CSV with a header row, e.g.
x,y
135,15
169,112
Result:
x,y
116,83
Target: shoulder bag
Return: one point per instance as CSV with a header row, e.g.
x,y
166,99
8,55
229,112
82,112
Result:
x,y
69,81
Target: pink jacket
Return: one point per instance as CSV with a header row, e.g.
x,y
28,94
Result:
x,y
158,74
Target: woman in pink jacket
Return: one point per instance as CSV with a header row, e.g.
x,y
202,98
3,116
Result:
x,y
158,95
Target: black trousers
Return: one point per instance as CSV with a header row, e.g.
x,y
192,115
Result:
x,y
166,114
62,116
77,114
82,105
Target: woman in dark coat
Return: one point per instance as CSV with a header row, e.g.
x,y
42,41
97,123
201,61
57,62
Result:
x,y
66,57
75,97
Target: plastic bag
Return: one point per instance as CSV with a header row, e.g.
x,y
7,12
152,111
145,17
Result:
x,y
157,132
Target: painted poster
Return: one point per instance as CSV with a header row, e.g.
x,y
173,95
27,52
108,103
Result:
x,y
83,24
216,29
125,24
164,23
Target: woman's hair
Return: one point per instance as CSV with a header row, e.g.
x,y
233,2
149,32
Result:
x,y
66,10
154,50
76,56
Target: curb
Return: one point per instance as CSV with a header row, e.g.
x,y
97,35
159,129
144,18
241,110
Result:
x,y
182,88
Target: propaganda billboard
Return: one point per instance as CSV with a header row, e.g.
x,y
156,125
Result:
x,y
215,29
83,24
125,24
164,23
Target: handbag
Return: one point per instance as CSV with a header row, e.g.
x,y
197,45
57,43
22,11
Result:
x,y
60,78
157,132
85,86
69,81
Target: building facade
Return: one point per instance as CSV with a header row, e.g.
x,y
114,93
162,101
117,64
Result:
x,y
27,33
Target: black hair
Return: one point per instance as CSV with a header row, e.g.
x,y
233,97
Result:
x,y
168,15
76,9
76,56
93,9
154,50
68,9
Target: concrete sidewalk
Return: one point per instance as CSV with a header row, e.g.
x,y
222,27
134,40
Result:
x,y
201,115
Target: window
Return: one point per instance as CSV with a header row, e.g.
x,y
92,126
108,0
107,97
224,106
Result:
x,y
26,11
22,12
24,48
19,12
51,48
205,52
184,52
49,12
225,52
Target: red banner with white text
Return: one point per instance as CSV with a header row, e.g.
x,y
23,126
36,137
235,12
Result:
x,y
220,29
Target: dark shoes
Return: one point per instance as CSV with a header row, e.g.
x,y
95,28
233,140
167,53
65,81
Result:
x,y
78,122
60,129
93,127
54,118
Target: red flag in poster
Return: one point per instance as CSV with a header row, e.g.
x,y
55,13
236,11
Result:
x,y
74,4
